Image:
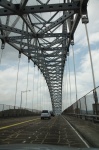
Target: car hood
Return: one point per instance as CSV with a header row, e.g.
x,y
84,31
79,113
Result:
x,y
39,147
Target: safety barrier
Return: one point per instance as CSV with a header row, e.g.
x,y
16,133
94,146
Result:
x,y
86,107
15,111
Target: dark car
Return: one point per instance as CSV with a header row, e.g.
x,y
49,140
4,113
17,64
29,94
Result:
x,y
52,114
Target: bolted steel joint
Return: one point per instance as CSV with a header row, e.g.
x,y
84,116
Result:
x,y
72,42
83,12
85,19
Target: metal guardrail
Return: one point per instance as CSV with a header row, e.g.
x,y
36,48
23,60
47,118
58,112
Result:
x,y
87,105
11,111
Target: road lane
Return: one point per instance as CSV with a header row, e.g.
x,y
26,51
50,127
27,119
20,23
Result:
x,y
54,131
9,121
16,124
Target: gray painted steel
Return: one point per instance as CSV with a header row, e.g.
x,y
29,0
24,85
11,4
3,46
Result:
x,y
32,37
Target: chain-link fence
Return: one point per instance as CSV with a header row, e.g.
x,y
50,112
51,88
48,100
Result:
x,y
11,111
88,104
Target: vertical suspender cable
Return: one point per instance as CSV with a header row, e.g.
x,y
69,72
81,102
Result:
x,y
69,78
33,87
17,82
38,87
40,92
85,21
90,56
1,55
67,81
74,72
63,96
27,85
63,105
37,94
28,42
44,96
93,76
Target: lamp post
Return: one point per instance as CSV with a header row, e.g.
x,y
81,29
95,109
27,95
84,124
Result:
x,y
21,97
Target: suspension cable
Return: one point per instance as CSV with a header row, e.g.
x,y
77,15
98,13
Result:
x,y
17,82
40,92
67,81
27,85
44,95
93,76
74,72
69,78
1,55
37,88
33,86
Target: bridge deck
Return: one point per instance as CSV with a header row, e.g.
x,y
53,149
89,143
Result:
x,y
87,128
36,131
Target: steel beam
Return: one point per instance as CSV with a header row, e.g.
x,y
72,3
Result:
x,y
58,21
40,39
14,9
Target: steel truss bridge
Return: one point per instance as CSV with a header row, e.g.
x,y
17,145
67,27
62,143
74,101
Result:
x,y
43,31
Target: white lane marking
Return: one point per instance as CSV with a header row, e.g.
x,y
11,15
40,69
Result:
x,y
77,133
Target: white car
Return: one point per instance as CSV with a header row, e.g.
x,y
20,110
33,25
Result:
x,y
45,114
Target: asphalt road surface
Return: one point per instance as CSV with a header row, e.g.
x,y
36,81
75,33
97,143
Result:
x,y
36,131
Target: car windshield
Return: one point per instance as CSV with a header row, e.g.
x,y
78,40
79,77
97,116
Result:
x,y
49,73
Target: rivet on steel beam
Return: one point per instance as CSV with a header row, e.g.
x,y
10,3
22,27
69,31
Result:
x,y
85,19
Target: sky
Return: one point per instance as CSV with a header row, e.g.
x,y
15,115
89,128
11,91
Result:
x,y
39,95
82,60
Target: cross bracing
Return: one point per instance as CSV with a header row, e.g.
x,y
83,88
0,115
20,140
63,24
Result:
x,y
43,31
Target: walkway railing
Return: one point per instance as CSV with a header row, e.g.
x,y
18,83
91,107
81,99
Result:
x,y
10,111
87,105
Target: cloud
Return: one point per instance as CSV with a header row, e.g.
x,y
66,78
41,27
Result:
x,y
80,34
84,78
40,96
94,38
